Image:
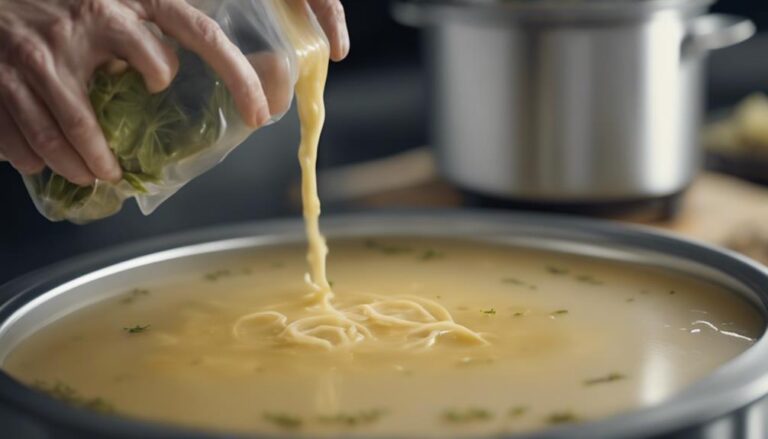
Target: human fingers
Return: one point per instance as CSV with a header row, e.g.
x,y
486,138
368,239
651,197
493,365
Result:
x,y
14,148
330,14
39,129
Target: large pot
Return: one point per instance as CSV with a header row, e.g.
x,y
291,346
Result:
x,y
730,403
569,101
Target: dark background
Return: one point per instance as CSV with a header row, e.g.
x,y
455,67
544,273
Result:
x,y
376,107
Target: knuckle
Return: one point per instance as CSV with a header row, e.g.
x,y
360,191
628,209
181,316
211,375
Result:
x,y
61,30
208,30
9,81
48,142
92,8
80,126
31,55
28,165
118,24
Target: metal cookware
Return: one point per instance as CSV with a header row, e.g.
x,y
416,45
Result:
x,y
730,403
569,101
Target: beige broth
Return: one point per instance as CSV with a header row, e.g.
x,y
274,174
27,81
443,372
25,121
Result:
x,y
570,339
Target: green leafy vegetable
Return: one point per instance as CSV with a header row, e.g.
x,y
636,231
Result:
x,y
490,311
146,132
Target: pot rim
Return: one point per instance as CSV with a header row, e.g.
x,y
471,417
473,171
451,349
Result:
x,y
733,386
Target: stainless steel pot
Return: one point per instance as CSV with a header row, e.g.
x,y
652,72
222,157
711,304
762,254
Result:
x,y
731,403
569,100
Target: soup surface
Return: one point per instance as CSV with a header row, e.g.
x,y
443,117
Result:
x,y
563,339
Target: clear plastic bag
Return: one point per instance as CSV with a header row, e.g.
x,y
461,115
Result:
x,y
164,140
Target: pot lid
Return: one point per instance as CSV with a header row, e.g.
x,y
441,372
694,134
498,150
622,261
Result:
x,y
417,12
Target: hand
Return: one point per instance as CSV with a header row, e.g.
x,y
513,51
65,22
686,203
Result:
x,y
49,50
330,14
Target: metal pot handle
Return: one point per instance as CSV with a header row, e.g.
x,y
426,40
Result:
x,y
716,31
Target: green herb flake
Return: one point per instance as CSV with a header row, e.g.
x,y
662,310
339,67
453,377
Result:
x,y
561,418
518,314
134,295
609,378
283,420
516,412
136,329
353,419
490,311
386,249
559,312
587,279
551,269
431,254
217,275
69,395
469,415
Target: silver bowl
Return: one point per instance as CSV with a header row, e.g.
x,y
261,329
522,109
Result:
x,y
729,403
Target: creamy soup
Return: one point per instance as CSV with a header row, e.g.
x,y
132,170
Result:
x,y
564,339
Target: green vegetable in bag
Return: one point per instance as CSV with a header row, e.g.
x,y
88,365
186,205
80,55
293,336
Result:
x,y
147,132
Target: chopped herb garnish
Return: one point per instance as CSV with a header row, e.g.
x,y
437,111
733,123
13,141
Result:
x,y
518,314
69,395
430,254
559,312
611,377
216,275
587,279
386,249
556,270
330,283
134,294
561,418
467,415
513,281
283,420
351,420
136,329
490,311
516,412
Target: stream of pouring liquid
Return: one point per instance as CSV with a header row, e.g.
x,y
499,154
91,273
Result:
x,y
312,51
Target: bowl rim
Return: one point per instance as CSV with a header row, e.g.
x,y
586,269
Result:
x,y
732,387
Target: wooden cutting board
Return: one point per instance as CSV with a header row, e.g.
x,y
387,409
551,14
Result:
x,y
717,209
